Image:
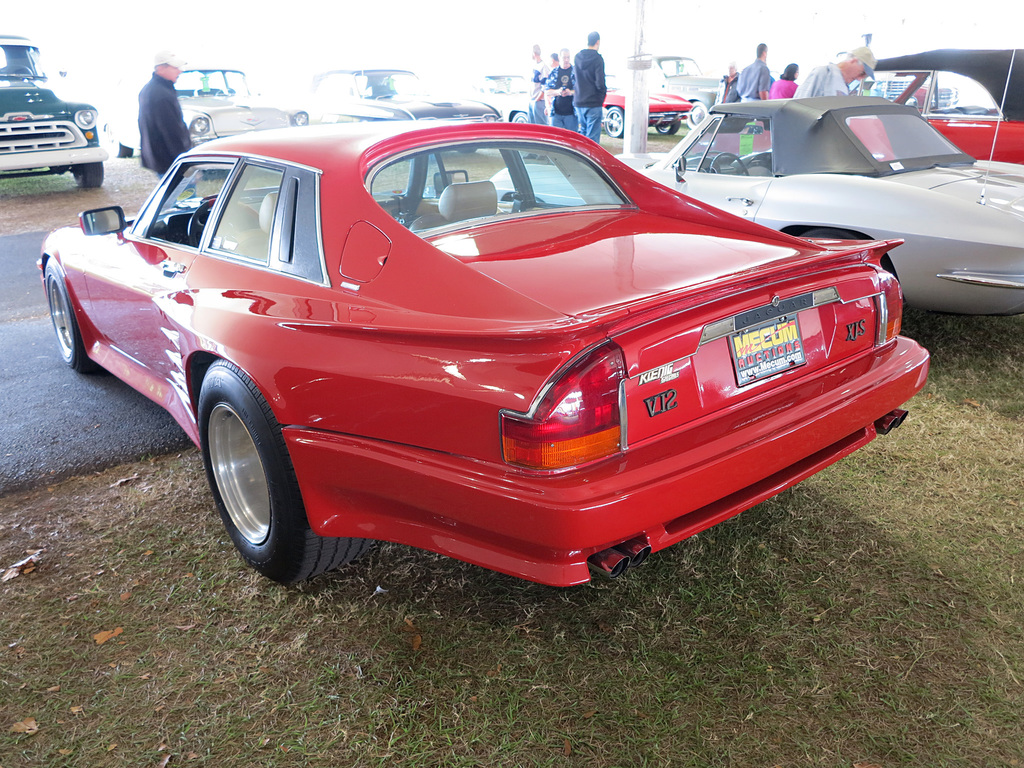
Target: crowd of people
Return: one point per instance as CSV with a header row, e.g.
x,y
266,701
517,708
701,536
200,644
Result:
x,y
566,92
570,92
755,82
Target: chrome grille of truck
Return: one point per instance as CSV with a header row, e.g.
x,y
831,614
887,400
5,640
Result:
x,y
37,137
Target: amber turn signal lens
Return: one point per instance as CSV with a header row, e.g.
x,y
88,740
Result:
x,y
578,419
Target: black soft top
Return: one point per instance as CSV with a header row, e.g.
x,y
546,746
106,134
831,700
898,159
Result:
x,y
812,136
988,67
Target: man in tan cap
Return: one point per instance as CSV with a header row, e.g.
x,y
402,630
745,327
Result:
x,y
835,79
162,130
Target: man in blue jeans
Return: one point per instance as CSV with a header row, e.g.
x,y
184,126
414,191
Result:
x,y
561,86
538,78
590,88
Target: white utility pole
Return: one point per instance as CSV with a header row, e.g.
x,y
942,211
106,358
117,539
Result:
x,y
635,137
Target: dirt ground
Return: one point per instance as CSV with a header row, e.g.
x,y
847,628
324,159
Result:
x,y
43,203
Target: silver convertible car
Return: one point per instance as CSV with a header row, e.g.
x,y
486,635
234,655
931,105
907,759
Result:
x,y
865,169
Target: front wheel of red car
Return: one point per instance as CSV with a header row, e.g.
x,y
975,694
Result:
x,y
62,315
254,484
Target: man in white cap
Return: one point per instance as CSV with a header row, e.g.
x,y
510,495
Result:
x,y
162,128
835,79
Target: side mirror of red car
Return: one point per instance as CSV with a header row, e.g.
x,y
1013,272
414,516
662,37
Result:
x,y
680,172
102,221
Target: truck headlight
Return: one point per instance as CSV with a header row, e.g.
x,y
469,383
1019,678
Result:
x,y
85,118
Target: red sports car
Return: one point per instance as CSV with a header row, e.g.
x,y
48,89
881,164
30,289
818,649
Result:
x,y
975,98
492,341
665,111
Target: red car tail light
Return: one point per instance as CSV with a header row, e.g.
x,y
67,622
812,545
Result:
x,y
890,309
577,420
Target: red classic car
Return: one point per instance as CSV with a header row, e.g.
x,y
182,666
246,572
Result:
x,y
665,111
973,97
492,341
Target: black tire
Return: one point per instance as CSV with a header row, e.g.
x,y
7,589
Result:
x,y
123,151
88,175
615,122
519,117
62,315
668,130
254,484
831,233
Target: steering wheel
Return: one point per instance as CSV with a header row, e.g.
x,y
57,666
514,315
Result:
x,y
198,220
728,157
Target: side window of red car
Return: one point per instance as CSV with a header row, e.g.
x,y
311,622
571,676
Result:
x,y
184,208
248,216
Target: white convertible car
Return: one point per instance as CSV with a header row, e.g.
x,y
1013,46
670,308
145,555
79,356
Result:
x,y
864,169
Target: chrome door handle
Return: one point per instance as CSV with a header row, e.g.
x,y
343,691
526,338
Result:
x,y
172,268
744,200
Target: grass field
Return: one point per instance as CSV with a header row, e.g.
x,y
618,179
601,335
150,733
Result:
x,y
870,617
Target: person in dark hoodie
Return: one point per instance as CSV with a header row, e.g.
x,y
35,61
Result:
x,y
591,89
162,130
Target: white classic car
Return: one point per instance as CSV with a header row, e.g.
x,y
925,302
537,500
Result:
x,y
215,103
863,168
509,94
682,76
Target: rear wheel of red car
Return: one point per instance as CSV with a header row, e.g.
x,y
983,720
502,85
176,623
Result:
x,y
62,314
254,484
615,122
668,130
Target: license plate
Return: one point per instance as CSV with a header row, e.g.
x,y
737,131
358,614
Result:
x,y
766,349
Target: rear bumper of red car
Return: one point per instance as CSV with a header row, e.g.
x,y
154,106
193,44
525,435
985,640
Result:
x,y
544,527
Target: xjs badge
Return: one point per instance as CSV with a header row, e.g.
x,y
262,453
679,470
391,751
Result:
x,y
854,330
662,374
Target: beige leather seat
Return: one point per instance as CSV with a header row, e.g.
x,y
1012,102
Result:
x,y
256,243
460,201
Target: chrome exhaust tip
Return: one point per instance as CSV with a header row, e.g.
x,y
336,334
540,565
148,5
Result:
x,y
890,421
636,550
609,563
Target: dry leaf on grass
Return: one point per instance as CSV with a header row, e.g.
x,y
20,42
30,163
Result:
x,y
107,634
28,726
26,565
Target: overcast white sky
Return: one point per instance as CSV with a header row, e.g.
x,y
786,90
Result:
x,y
282,43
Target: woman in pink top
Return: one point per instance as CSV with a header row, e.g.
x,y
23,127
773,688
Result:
x,y
785,86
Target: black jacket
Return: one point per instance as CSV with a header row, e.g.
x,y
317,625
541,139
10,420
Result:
x,y
162,128
590,83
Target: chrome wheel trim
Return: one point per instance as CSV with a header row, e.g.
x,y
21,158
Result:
x,y
615,125
60,314
239,473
